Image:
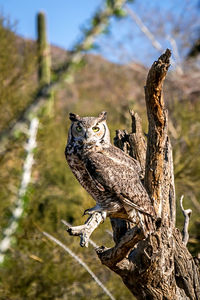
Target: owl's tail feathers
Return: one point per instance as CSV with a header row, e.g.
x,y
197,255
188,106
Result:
x,y
147,223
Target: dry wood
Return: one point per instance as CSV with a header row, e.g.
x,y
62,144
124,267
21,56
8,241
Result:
x,y
112,256
187,214
137,140
157,132
158,266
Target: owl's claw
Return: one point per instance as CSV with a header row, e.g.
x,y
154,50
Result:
x,y
103,214
95,209
86,212
91,211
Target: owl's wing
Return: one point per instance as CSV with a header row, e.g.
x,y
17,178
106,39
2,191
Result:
x,y
119,177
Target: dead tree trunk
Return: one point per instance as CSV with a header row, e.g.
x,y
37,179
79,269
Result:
x,y
159,266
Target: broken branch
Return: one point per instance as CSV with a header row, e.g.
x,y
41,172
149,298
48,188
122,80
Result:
x,y
110,257
157,132
187,214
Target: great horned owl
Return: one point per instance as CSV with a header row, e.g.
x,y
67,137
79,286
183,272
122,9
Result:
x,y
108,174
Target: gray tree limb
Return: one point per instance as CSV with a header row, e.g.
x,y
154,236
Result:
x,y
187,214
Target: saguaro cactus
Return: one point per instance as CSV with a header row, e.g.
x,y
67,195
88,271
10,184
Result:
x,y
44,59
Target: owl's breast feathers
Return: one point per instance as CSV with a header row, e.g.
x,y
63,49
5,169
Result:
x,y
114,173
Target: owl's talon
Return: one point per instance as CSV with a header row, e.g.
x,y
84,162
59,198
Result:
x,y
104,215
91,211
86,212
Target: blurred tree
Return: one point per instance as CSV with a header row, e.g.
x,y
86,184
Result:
x,y
172,24
185,134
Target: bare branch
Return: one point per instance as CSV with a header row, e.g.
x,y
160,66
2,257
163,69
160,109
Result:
x,y
85,231
110,257
154,41
187,214
144,29
121,140
157,134
134,143
82,263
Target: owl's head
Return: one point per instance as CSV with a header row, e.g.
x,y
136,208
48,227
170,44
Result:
x,y
89,131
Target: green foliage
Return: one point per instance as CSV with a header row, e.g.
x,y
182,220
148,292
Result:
x,y
185,129
110,3
119,13
96,20
17,80
48,272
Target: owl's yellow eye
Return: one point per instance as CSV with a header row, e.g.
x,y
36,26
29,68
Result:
x,y
95,128
78,128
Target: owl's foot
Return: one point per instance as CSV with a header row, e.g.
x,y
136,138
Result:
x,y
95,209
85,230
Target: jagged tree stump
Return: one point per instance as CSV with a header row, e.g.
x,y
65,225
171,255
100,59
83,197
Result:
x,y
158,266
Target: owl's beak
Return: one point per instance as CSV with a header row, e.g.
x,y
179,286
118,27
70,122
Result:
x,y
88,138
86,142
86,135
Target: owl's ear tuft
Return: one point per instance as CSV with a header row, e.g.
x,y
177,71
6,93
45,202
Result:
x,y
74,117
102,116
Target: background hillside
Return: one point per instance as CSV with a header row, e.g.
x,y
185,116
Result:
x,y
34,267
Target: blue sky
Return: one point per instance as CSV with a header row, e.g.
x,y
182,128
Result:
x,y
64,17
126,42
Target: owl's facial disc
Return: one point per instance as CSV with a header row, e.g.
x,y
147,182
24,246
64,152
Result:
x,y
89,131
95,133
88,135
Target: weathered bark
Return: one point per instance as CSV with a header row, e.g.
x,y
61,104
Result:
x,y
157,133
158,266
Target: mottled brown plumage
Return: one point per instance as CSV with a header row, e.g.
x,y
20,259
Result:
x,y
109,175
